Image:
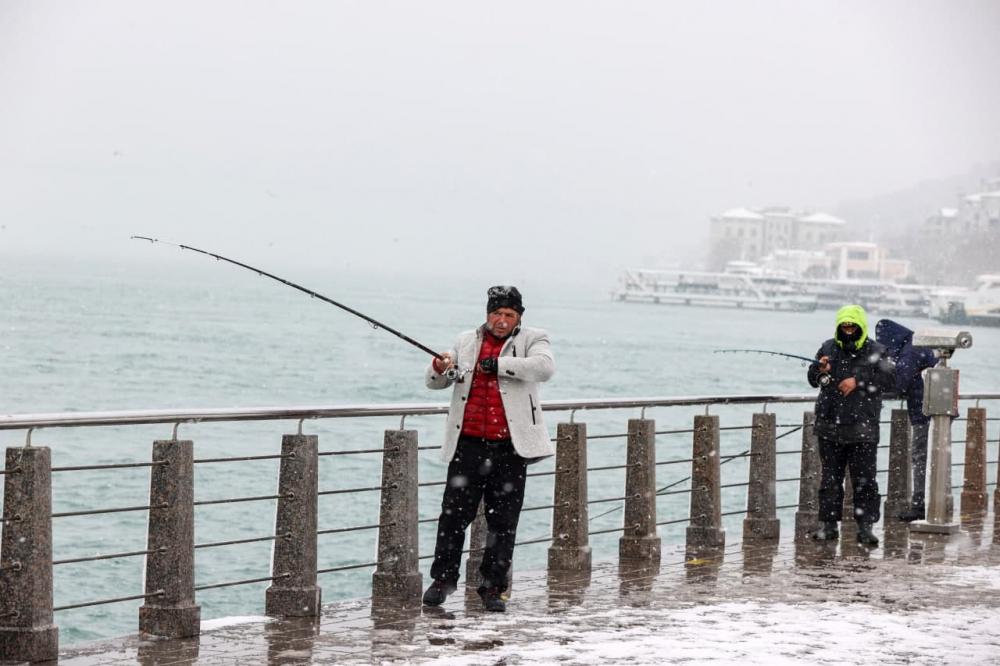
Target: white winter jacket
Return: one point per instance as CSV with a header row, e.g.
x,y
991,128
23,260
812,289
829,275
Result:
x,y
525,360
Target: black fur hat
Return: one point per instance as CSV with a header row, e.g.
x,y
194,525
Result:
x,y
503,296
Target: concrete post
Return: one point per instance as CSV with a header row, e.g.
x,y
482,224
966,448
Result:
x,y
27,629
398,574
899,488
172,612
974,500
570,550
807,515
639,541
761,522
705,536
996,503
477,543
296,595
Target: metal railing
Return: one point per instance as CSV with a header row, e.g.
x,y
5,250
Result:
x,y
163,591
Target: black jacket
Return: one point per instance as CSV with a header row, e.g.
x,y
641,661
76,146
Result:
x,y
910,362
855,417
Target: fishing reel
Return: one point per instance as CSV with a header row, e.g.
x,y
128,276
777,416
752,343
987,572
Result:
x,y
456,374
824,379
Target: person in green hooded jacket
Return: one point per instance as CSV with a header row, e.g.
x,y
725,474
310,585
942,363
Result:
x,y
851,371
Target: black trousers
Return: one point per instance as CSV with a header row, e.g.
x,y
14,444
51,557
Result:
x,y
860,457
918,456
491,471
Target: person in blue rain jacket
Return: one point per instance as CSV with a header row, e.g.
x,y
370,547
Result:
x,y
910,363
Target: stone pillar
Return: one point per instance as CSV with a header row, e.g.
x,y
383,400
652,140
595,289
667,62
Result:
x,y
27,628
639,541
298,489
900,485
170,538
398,573
570,550
974,500
761,522
705,536
807,515
477,543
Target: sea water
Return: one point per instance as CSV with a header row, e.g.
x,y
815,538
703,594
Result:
x,y
81,335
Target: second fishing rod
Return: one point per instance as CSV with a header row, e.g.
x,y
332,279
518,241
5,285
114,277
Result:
x,y
454,372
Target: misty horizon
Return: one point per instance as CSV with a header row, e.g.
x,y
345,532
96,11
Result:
x,y
565,140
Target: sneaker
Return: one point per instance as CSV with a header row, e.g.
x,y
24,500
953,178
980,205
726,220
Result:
x,y
492,601
827,532
865,535
915,512
438,592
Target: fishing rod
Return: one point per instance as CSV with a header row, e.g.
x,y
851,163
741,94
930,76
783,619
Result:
x,y
453,372
823,379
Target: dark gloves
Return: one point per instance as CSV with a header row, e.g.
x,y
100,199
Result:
x,y
488,365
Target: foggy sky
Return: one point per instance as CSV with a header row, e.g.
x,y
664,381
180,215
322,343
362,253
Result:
x,y
471,139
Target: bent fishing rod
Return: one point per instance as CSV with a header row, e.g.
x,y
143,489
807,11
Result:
x,y
453,372
823,379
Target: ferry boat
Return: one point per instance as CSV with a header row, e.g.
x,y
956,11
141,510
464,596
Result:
x,y
980,307
741,288
727,290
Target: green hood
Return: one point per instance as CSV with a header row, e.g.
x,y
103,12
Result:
x,y
854,314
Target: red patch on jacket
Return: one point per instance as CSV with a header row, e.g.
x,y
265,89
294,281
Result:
x,y
484,413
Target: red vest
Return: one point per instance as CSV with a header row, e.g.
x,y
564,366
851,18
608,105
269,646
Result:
x,y
484,414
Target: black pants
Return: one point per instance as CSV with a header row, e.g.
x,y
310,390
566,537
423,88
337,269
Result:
x,y
491,471
836,457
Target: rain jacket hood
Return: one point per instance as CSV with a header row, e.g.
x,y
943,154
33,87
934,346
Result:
x,y
853,314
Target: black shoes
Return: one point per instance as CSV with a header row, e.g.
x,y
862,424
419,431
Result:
x,y
827,532
438,592
865,535
492,601
915,512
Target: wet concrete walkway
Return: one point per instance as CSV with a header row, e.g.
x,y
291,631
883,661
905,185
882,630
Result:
x,y
783,603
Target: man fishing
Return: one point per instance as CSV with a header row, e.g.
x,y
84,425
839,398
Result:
x,y
847,421
494,430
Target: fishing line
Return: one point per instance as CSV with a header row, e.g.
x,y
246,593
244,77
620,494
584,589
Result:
x,y
823,379
453,373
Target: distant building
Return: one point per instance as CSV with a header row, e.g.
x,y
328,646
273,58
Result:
x,y
751,234
864,261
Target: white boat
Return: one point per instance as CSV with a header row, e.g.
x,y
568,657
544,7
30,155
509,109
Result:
x,y
726,290
980,307
887,299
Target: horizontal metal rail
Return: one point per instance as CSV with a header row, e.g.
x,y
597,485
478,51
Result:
x,y
234,542
348,567
113,556
348,491
242,582
219,415
341,530
96,512
158,593
274,456
81,468
234,500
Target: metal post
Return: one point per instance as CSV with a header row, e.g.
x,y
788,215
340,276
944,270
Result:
x,y
899,488
398,574
705,536
170,608
761,522
807,515
639,542
570,550
940,394
295,593
974,500
27,629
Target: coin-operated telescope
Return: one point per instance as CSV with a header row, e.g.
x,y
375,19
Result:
x,y
941,404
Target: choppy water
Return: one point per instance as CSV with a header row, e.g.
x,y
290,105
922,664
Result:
x,y
78,336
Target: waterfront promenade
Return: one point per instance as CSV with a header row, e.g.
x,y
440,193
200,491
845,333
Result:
x,y
911,601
